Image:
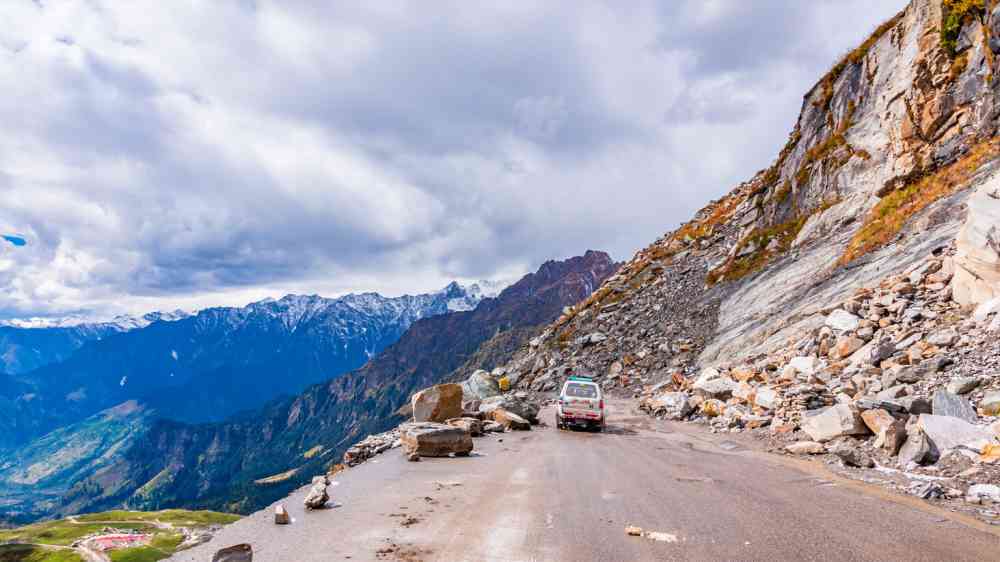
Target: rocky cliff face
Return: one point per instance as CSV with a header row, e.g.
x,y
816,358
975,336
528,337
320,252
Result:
x,y
250,460
893,155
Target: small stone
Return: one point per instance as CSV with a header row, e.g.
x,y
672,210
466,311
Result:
x,y
983,493
917,449
281,516
944,338
990,404
721,387
766,397
852,456
927,490
238,553
962,385
846,346
842,321
806,448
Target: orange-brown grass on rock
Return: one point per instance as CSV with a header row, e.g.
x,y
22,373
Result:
x,y
892,212
855,56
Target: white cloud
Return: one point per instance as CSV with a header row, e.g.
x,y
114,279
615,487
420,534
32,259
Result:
x,y
164,155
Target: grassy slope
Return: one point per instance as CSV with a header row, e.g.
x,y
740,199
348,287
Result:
x,y
64,532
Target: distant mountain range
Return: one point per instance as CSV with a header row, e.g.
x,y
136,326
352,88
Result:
x,y
131,455
29,344
205,366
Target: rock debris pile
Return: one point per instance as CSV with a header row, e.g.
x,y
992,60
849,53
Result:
x,y
899,376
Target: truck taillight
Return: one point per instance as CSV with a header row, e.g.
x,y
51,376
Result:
x,y
601,405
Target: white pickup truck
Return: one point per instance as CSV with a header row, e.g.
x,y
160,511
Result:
x,y
581,403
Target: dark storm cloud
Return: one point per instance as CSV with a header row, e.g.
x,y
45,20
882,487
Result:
x,y
162,155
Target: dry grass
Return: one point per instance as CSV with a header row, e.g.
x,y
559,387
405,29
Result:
x,y
853,57
892,212
954,15
772,174
784,233
821,150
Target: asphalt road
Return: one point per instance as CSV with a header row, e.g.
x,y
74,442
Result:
x,y
562,495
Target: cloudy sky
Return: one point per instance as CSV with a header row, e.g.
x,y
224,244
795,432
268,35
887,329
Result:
x,y
189,153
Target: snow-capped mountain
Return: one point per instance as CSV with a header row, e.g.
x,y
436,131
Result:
x,y
214,363
475,292
27,344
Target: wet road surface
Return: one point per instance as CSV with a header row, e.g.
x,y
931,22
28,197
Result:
x,y
562,495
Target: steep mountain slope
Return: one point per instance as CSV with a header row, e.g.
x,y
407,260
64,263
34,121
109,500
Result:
x,y
217,362
893,155
173,463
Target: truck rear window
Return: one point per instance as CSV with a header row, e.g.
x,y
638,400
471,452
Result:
x,y
578,390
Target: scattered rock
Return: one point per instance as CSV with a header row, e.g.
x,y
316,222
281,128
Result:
x,y
948,432
492,427
846,346
480,385
945,403
890,432
472,425
281,516
437,403
927,490
842,321
852,456
962,385
721,387
518,403
238,553
806,448
835,421
671,405
990,404
983,493
766,398
633,531
509,420
317,496
917,449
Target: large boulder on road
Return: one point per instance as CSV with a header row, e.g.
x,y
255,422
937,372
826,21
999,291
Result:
x,y
518,403
428,439
437,403
480,385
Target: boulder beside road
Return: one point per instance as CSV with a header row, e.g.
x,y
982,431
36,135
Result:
x,y
518,403
509,419
835,421
437,403
428,439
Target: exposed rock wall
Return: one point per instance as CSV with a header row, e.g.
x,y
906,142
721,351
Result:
x,y
891,158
